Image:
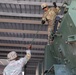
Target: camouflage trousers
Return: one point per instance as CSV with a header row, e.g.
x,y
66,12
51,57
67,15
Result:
x,y
50,30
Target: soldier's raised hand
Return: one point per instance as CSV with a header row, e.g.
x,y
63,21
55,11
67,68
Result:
x,y
30,47
54,3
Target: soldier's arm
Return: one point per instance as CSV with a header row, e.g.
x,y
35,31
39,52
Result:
x,y
25,59
56,8
28,52
43,19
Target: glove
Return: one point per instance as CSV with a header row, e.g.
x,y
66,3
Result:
x,y
54,3
42,22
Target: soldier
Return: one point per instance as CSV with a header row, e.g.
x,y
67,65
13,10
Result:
x,y
49,16
15,65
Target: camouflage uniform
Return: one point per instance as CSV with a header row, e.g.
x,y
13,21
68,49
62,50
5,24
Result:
x,y
50,16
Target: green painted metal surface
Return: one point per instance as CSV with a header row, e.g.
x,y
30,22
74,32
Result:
x,y
72,11
61,70
72,38
63,50
49,57
68,55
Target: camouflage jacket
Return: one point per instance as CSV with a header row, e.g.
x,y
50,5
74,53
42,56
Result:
x,y
50,14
